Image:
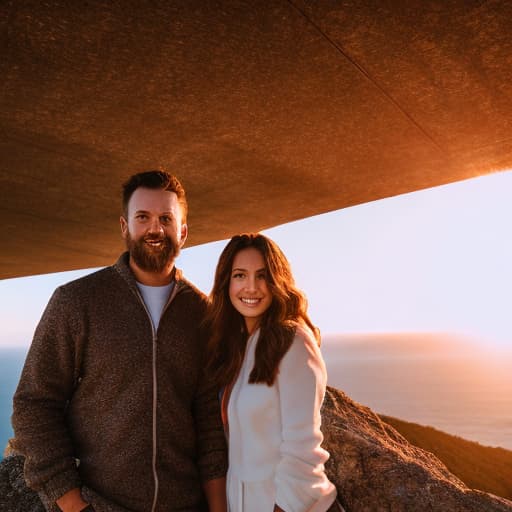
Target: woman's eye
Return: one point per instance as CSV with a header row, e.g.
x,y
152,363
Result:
x,y
238,275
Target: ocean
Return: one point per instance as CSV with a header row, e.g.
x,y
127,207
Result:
x,y
11,364
428,379
437,380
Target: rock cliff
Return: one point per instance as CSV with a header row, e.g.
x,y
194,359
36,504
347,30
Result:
x,y
374,468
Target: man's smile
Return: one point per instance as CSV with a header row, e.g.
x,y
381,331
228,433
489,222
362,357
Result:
x,y
154,242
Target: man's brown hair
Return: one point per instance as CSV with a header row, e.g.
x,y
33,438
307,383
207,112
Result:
x,y
157,179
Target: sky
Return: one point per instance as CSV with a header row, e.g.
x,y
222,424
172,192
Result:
x,y
436,260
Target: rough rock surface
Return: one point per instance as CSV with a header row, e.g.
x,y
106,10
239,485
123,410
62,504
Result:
x,y
14,494
374,468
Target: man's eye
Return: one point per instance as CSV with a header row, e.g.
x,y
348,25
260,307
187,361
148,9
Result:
x,y
166,219
141,216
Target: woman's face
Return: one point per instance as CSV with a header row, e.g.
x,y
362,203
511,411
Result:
x,y
248,289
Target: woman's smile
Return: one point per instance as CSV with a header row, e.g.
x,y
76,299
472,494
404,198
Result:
x,y
248,288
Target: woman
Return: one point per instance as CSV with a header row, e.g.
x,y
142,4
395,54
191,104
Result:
x,y
264,355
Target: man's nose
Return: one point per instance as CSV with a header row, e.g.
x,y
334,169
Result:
x,y
155,226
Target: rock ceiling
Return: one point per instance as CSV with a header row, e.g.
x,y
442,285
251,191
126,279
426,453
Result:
x,y
268,111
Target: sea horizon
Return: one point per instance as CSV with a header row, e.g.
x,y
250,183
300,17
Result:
x,y
430,379
433,379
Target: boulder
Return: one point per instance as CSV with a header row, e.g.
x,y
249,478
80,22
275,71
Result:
x,y
375,469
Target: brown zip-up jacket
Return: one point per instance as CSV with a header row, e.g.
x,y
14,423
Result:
x,y
109,405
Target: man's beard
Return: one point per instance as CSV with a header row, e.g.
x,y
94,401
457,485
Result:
x,y
152,259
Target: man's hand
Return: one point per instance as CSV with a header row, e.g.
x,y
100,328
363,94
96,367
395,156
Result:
x,y
215,491
72,501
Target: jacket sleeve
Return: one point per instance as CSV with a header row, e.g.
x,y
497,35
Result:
x,y
212,447
39,404
300,478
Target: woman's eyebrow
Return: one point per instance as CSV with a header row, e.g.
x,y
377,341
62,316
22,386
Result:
x,y
263,269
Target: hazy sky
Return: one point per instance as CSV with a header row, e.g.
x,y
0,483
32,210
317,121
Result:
x,y
433,260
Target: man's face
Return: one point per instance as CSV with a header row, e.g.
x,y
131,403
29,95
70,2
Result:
x,y
153,230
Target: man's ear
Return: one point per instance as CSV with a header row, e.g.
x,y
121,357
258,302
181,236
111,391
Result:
x,y
124,226
184,234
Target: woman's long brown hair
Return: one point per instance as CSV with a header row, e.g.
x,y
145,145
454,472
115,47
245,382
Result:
x,y
226,326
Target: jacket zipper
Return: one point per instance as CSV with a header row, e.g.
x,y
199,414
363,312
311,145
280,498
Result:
x,y
155,387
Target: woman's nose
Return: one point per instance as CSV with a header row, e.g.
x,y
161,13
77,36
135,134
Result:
x,y
251,284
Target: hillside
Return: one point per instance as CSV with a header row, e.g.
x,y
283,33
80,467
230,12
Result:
x,y
479,467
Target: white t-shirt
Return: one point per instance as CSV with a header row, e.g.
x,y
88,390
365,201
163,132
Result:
x,y
155,298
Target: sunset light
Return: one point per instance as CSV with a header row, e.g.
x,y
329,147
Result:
x,y
411,293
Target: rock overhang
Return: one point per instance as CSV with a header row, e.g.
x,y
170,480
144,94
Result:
x,y
268,111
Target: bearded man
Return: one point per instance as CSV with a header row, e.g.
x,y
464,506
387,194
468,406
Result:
x,y
113,411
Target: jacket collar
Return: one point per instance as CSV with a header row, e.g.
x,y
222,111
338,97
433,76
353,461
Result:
x,y
123,268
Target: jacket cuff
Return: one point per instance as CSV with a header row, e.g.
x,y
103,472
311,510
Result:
x,y
213,471
61,484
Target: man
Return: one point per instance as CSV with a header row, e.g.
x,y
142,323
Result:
x,y
112,410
